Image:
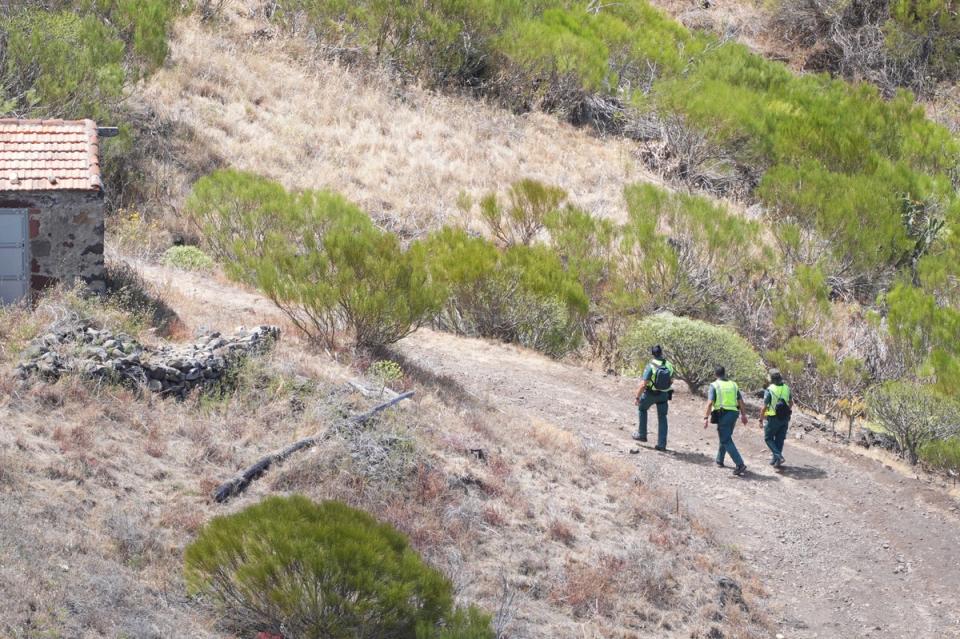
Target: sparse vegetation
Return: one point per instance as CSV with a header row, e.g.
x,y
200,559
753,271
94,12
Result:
x,y
915,416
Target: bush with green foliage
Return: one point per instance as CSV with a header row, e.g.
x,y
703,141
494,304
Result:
x,y
695,348
685,253
188,258
914,414
73,60
316,256
521,294
942,454
293,567
530,204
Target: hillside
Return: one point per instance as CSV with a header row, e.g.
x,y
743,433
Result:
x,y
506,226
248,96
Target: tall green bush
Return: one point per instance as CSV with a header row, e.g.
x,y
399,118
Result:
x,y
914,414
522,219
323,571
520,294
695,348
316,256
686,253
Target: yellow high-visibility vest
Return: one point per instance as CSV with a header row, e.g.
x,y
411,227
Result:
x,y
776,394
725,394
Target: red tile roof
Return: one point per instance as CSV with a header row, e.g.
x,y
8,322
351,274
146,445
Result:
x,y
41,155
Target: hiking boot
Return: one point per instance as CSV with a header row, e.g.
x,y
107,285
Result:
x,y
739,470
779,462
639,437
660,448
720,464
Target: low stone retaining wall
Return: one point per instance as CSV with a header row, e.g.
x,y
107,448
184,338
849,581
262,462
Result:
x,y
82,349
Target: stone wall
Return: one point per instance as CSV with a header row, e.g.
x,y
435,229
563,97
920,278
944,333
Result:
x,y
66,236
80,348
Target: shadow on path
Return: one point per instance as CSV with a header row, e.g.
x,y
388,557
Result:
x,y
689,457
802,472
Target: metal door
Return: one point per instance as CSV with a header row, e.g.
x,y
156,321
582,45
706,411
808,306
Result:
x,y
14,276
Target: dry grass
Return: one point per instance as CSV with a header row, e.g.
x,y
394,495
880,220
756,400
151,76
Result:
x,y
404,154
553,540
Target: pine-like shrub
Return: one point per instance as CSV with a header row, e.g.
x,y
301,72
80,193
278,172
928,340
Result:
x,y
519,222
323,571
695,348
685,253
914,414
521,294
317,257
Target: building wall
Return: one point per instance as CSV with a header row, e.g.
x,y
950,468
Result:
x,y
66,236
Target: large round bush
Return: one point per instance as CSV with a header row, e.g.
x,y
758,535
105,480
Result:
x,y
694,348
293,567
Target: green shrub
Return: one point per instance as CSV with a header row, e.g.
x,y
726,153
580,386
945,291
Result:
x,y
385,371
316,256
530,203
914,414
521,294
685,252
801,301
695,348
290,566
942,454
925,327
75,62
188,258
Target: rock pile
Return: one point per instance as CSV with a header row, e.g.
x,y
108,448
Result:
x,y
82,349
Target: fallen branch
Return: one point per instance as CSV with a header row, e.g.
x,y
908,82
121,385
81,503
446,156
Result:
x,y
239,483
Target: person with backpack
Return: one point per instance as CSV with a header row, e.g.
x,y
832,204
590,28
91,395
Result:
x,y
724,405
656,388
777,410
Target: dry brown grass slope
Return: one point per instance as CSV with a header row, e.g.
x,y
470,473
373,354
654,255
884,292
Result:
x,y
261,101
101,490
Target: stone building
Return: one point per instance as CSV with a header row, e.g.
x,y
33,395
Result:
x,y
51,206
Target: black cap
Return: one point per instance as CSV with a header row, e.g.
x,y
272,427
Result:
x,y
720,372
775,376
657,351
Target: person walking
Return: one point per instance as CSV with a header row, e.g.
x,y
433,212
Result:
x,y
724,405
656,389
775,416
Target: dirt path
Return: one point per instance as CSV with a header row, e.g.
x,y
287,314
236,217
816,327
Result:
x,y
846,546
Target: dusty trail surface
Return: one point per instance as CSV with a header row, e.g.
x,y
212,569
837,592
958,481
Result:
x,y
846,546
